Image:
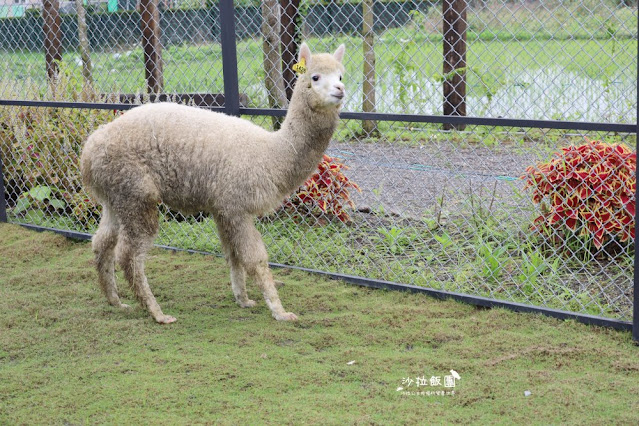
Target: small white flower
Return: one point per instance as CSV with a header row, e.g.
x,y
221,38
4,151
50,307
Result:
x,y
350,363
455,375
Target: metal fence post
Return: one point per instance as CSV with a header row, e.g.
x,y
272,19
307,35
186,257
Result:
x,y
3,202
229,58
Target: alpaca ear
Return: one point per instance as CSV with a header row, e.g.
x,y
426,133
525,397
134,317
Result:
x,y
339,53
305,55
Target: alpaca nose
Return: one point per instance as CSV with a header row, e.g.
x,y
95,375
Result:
x,y
340,87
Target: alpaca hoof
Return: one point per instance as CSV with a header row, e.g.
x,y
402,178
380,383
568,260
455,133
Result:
x,y
116,303
165,319
248,304
286,316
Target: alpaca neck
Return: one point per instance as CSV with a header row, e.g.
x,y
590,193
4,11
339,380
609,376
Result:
x,y
307,126
303,138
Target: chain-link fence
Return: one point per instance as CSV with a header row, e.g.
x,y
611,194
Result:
x,y
486,148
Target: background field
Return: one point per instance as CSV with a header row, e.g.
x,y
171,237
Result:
x,y
67,357
541,79
538,60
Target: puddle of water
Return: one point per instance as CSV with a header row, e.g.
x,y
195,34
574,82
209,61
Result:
x,y
545,94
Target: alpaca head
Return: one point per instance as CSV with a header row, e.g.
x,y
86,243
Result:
x,y
321,81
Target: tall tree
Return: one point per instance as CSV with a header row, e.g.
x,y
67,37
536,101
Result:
x,y
368,45
85,51
150,23
272,58
290,38
454,29
52,37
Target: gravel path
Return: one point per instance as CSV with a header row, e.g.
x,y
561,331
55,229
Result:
x,y
410,181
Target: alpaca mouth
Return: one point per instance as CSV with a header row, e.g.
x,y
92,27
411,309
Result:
x,y
339,96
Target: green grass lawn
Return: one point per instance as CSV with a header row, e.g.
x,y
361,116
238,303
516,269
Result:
x,y
66,357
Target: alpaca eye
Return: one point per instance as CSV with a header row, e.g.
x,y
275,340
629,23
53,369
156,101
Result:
x,y
315,77
340,78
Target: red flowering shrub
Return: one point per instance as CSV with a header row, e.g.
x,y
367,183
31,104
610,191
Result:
x,y
325,192
588,191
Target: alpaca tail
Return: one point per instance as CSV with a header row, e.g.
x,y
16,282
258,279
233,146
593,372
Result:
x,y
86,165
87,162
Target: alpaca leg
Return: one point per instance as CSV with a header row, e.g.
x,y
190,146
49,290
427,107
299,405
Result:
x,y
238,273
132,253
135,241
238,284
265,281
245,242
103,244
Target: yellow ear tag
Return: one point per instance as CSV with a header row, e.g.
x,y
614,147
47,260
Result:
x,y
300,67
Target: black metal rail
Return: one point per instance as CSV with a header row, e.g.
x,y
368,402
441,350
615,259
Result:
x,y
229,58
234,108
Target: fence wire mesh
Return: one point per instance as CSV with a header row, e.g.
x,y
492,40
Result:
x,y
508,213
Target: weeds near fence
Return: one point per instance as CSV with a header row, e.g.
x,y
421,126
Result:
x,y
491,261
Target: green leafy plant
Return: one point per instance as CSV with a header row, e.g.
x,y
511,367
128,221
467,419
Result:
x,y
586,193
81,208
326,192
533,266
445,240
39,197
395,240
41,150
493,258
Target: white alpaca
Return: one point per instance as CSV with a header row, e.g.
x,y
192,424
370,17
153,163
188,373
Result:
x,y
196,160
